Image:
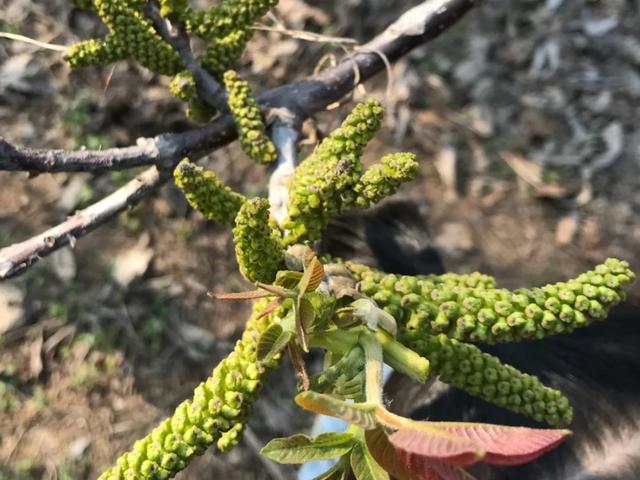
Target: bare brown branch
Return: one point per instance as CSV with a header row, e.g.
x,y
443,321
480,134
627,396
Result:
x,y
209,89
303,98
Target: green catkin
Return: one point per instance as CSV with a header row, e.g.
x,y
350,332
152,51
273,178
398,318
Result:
x,y
384,178
132,37
490,315
323,184
205,192
217,412
464,366
94,52
226,17
248,119
183,86
222,53
258,242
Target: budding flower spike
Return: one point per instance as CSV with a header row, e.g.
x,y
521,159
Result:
x,y
248,119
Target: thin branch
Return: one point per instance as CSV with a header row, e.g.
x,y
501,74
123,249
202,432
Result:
x,y
303,98
209,89
285,132
20,256
14,158
31,41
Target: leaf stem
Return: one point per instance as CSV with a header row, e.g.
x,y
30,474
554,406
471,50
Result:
x,y
373,368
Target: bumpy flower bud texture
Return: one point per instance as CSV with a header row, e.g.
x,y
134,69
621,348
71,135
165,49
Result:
x,y
205,192
216,413
248,119
258,242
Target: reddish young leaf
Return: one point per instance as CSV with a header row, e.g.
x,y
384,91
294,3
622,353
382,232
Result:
x,y
317,274
273,305
442,471
417,447
240,295
385,454
505,445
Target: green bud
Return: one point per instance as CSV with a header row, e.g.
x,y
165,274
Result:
x,y
258,244
248,119
205,192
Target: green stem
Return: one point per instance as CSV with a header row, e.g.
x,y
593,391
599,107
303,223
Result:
x,y
395,354
336,341
373,368
401,358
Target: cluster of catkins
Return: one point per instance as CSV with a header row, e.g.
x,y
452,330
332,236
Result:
x,y
216,414
325,184
437,315
226,29
330,180
131,36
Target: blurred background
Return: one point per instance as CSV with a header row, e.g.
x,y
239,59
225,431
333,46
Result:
x,y
524,117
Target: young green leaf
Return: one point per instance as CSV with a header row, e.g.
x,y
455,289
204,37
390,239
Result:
x,y
307,314
272,341
364,465
302,448
340,471
361,414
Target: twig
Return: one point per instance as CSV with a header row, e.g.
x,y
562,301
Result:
x,y
307,36
285,132
20,256
31,41
305,97
14,158
209,89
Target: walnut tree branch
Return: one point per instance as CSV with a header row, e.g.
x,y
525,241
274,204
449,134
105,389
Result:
x,y
209,89
304,98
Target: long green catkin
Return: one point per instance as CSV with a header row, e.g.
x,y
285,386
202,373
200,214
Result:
x,y
464,366
248,119
491,315
216,413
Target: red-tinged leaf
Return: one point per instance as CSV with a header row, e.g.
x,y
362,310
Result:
x,y
385,454
273,305
302,334
312,276
417,447
240,295
507,445
276,290
442,471
317,274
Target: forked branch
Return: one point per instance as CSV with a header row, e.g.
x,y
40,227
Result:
x,y
304,98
